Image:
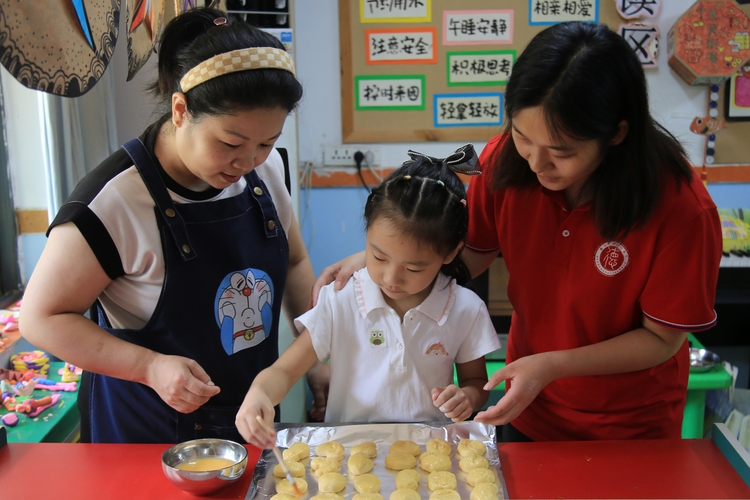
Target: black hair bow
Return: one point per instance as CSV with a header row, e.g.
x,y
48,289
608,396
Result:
x,y
463,161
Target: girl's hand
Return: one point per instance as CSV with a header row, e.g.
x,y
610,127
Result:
x,y
254,419
528,376
453,402
181,382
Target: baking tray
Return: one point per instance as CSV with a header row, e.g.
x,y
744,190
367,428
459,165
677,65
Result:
x,y
263,485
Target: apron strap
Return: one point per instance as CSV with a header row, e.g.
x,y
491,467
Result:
x,y
158,190
262,197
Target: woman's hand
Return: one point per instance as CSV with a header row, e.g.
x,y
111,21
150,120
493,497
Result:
x,y
340,272
318,378
528,376
181,382
254,420
453,402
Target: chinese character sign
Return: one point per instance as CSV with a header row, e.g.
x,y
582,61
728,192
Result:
x,y
460,110
637,9
390,92
644,40
480,68
477,27
558,11
395,11
401,46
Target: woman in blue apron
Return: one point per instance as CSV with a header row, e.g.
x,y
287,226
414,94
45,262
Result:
x,y
185,241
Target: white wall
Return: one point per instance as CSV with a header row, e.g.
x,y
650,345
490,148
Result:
x,y
674,103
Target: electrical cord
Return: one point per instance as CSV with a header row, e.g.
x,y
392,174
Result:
x,y
358,158
305,190
368,161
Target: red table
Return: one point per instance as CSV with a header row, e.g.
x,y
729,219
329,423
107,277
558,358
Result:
x,y
678,469
692,468
96,471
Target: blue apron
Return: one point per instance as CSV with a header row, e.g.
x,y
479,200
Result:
x,y
226,264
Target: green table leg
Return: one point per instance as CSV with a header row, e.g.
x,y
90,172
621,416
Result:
x,y
692,420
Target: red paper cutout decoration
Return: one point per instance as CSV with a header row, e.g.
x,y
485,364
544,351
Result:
x,y
709,42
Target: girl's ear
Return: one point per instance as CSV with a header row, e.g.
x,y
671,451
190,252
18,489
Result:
x,y
179,109
622,132
453,254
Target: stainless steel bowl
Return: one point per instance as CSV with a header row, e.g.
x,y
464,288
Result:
x,y
208,481
702,360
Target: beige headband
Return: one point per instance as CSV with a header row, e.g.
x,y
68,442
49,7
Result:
x,y
237,60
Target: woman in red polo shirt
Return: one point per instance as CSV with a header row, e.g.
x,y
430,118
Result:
x,y
612,244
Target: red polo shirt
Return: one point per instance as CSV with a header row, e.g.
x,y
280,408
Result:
x,y
569,287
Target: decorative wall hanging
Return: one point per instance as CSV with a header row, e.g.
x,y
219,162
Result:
x,y
63,47
58,46
709,42
738,95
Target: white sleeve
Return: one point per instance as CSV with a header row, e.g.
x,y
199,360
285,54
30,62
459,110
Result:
x,y
272,173
481,337
319,322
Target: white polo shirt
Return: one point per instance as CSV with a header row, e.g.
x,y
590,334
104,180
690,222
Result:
x,y
383,370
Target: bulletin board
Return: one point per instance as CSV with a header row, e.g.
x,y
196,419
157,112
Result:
x,y
452,108
734,109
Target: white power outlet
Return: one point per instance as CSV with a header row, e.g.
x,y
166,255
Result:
x,y
343,156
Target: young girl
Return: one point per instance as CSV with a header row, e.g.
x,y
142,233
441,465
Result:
x,y
611,241
393,334
186,240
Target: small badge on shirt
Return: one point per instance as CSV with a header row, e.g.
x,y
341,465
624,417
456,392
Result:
x,y
437,349
611,258
377,338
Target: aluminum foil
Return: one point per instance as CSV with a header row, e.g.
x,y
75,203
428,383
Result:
x,y
263,485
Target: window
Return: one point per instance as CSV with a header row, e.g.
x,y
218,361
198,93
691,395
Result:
x,y
10,276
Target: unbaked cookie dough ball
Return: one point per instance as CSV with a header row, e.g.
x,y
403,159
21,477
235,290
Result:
x,y
359,463
439,446
474,462
367,483
405,446
297,469
407,479
326,496
441,480
484,491
282,496
284,486
400,461
369,448
296,452
321,465
476,476
367,496
404,495
331,449
331,482
433,462
471,447
445,495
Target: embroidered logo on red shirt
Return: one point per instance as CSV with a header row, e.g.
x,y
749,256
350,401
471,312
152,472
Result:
x,y
611,258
